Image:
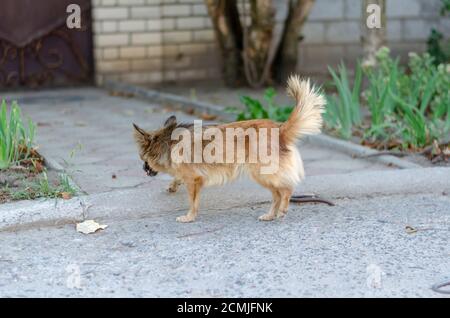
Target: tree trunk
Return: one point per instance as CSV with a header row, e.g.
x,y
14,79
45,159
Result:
x,y
374,29
225,19
249,52
257,41
287,56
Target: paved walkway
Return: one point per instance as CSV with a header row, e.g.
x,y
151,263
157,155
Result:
x,y
98,128
360,247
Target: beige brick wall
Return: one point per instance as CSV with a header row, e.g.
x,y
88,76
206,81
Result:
x,y
152,41
148,41
333,30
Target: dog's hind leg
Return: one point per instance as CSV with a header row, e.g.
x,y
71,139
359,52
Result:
x,y
193,188
276,197
286,194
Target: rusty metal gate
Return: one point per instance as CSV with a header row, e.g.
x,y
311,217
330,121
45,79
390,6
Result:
x,y
38,49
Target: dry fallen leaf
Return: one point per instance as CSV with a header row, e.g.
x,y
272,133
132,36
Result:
x,y
206,116
66,195
410,229
38,166
435,150
89,226
121,94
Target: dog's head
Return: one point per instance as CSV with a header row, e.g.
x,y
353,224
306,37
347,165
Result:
x,y
154,146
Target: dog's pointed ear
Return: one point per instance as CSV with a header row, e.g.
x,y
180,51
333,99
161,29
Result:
x,y
139,130
171,121
141,136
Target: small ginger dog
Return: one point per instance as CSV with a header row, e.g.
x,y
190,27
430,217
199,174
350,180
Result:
x,y
157,148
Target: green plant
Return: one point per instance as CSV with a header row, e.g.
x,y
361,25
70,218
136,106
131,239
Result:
x,y
379,100
437,46
445,7
408,107
417,98
42,187
415,128
440,104
343,109
255,109
15,141
65,185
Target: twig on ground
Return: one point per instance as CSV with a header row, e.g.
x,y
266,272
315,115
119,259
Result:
x,y
309,198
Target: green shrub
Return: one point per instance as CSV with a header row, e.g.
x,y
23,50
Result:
x,y
409,105
255,109
414,105
15,141
437,46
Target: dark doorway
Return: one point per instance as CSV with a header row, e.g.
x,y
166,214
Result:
x,y
37,49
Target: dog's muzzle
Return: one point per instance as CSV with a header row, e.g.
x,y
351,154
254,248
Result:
x,y
149,171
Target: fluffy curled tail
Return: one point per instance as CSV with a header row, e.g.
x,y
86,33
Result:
x,y
306,117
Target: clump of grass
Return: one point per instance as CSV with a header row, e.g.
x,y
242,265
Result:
x,y
17,155
42,187
16,140
343,109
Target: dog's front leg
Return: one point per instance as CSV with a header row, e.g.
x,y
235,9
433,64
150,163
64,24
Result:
x,y
174,185
193,188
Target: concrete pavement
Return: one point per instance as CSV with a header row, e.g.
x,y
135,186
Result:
x,y
357,248
360,247
144,202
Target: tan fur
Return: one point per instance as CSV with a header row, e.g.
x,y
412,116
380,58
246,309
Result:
x,y
306,118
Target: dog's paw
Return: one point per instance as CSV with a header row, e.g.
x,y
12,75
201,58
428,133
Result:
x,y
172,189
174,186
266,217
281,215
185,219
